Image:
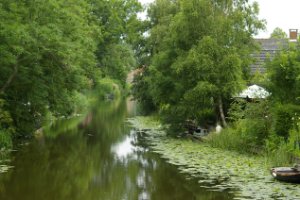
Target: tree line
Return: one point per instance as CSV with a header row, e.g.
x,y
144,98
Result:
x,y
200,51
53,52
199,56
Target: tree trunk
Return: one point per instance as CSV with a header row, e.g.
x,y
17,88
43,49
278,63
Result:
x,y
9,80
221,111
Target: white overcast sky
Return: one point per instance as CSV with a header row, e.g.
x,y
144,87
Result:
x,y
284,14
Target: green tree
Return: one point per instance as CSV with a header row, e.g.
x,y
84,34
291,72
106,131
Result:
x,y
283,72
53,52
217,74
199,60
48,54
278,33
118,61
121,31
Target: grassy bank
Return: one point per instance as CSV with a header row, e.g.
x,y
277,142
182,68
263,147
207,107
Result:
x,y
246,175
229,140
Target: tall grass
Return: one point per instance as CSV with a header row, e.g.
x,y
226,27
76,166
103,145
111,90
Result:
x,y
279,157
229,139
5,140
279,154
108,86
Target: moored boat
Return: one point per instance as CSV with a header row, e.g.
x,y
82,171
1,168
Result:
x,y
287,174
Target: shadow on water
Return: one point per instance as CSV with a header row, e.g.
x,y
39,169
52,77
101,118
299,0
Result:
x,y
97,157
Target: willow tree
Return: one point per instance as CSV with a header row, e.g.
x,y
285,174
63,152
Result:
x,y
200,61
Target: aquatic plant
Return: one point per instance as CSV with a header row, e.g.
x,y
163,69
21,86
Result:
x,y
244,175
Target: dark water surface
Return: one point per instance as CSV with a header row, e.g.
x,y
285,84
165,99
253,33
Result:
x,y
96,157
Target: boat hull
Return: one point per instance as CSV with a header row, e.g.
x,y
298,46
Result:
x,y
286,174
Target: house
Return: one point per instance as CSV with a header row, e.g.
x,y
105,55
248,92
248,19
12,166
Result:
x,y
269,48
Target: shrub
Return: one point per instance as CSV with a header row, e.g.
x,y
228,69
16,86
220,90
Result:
x,y
277,152
5,140
293,142
250,127
228,139
281,156
81,102
244,137
108,86
283,115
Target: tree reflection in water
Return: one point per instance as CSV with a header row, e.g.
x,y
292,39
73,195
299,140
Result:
x,y
98,158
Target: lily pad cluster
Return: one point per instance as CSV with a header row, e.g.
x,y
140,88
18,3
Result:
x,y
246,176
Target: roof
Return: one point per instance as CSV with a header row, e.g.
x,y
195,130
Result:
x,y
269,48
254,92
272,43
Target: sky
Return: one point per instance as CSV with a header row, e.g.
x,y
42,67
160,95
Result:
x,y
284,14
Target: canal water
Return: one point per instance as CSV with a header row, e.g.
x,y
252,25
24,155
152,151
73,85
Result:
x,y
96,157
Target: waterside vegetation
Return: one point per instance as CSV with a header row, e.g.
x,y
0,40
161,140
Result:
x,y
246,176
59,56
55,54
202,62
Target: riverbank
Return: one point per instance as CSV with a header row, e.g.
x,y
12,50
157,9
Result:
x,y
245,176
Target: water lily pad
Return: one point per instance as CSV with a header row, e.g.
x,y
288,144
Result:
x,y
218,170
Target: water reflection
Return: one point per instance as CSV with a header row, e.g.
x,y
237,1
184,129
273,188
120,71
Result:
x,y
97,158
124,148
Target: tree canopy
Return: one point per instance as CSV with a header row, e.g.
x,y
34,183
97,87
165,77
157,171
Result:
x,y
200,53
278,33
53,51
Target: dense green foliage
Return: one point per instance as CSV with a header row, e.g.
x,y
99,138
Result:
x,y
278,33
249,129
270,126
53,52
195,56
283,73
121,32
219,168
199,56
200,52
283,81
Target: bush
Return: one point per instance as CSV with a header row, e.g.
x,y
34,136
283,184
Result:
x,y
281,156
283,115
108,86
6,127
294,142
250,128
174,117
228,139
81,102
277,152
5,140
281,151
244,137
141,91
